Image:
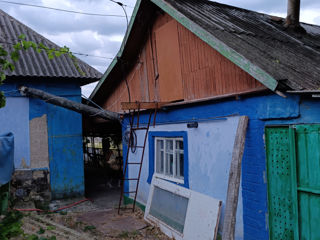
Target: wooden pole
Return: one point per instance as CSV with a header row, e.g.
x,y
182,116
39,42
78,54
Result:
x,y
66,103
234,181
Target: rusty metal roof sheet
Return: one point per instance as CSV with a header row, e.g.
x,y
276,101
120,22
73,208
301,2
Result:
x,y
33,64
292,58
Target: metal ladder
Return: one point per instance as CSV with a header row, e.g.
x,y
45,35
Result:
x,y
131,145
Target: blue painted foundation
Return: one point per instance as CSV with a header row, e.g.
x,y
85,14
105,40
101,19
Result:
x,y
64,134
262,110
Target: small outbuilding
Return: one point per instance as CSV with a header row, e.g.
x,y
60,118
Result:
x,y
48,155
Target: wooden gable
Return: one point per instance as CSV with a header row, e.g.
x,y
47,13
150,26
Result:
x,y
176,65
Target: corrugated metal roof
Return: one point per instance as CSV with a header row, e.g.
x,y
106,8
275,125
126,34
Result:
x,y
33,64
291,58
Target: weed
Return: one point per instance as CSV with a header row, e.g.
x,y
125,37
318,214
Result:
x,y
41,231
35,237
32,237
89,228
11,225
124,234
131,235
51,228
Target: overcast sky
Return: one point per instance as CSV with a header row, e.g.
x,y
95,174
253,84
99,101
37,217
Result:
x,y
102,36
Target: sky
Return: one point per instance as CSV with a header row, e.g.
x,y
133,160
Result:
x,y
100,37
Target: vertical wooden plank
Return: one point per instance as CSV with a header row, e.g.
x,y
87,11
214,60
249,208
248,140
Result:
x,y
168,53
234,181
150,69
143,75
293,161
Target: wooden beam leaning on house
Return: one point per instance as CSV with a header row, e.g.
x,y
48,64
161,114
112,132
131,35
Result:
x,y
71,105
234,181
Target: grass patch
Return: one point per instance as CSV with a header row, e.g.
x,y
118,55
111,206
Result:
x,y
127,234
89,228
10,226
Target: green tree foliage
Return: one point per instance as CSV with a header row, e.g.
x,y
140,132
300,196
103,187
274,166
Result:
x,y
7,59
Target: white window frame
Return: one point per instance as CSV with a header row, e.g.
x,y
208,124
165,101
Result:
x,y
175,150
203,213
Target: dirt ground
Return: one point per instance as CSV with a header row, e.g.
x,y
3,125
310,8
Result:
x,y
83,225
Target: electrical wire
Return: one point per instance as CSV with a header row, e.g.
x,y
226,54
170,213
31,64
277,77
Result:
x,y
90,55
75,53
88,99
124,40
120,3
62,10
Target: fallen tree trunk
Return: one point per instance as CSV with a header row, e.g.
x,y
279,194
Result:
x,y
66,103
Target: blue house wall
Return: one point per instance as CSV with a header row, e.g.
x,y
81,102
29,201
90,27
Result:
x,y
64,128
269,109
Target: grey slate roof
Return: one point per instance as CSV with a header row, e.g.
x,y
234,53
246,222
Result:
x,y
291,58
32,64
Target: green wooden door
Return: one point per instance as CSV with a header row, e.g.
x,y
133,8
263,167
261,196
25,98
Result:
x,y
308,179
282,213
293,171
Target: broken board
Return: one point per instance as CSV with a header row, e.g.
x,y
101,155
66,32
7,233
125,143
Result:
x,y
181,213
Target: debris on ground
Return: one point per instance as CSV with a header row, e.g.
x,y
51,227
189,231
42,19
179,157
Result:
x,y
68,225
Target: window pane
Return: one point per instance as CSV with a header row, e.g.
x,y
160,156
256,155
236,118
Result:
x,y
159,161
162,162
179,144
159,156
159,144
169,145
181,164
169,164
169,208
177,165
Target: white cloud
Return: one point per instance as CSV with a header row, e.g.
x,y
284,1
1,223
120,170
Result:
x,y
310,15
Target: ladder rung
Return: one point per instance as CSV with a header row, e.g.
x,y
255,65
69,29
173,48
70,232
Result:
x,y
136,179
134,163
130,192
140,128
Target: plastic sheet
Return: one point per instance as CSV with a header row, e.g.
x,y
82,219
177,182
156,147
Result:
x,y
6,157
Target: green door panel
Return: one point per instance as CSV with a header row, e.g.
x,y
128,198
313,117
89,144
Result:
x,y
280,194
309,213
308,178
308,155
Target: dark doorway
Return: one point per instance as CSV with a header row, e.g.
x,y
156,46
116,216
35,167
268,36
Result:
x,y
102,153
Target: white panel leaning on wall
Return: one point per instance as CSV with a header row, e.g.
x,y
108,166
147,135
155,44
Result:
x,y
181,213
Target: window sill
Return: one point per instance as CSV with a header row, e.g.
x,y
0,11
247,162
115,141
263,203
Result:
x,y
171,179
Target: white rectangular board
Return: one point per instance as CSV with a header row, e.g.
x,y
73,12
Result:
x,y
201,218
